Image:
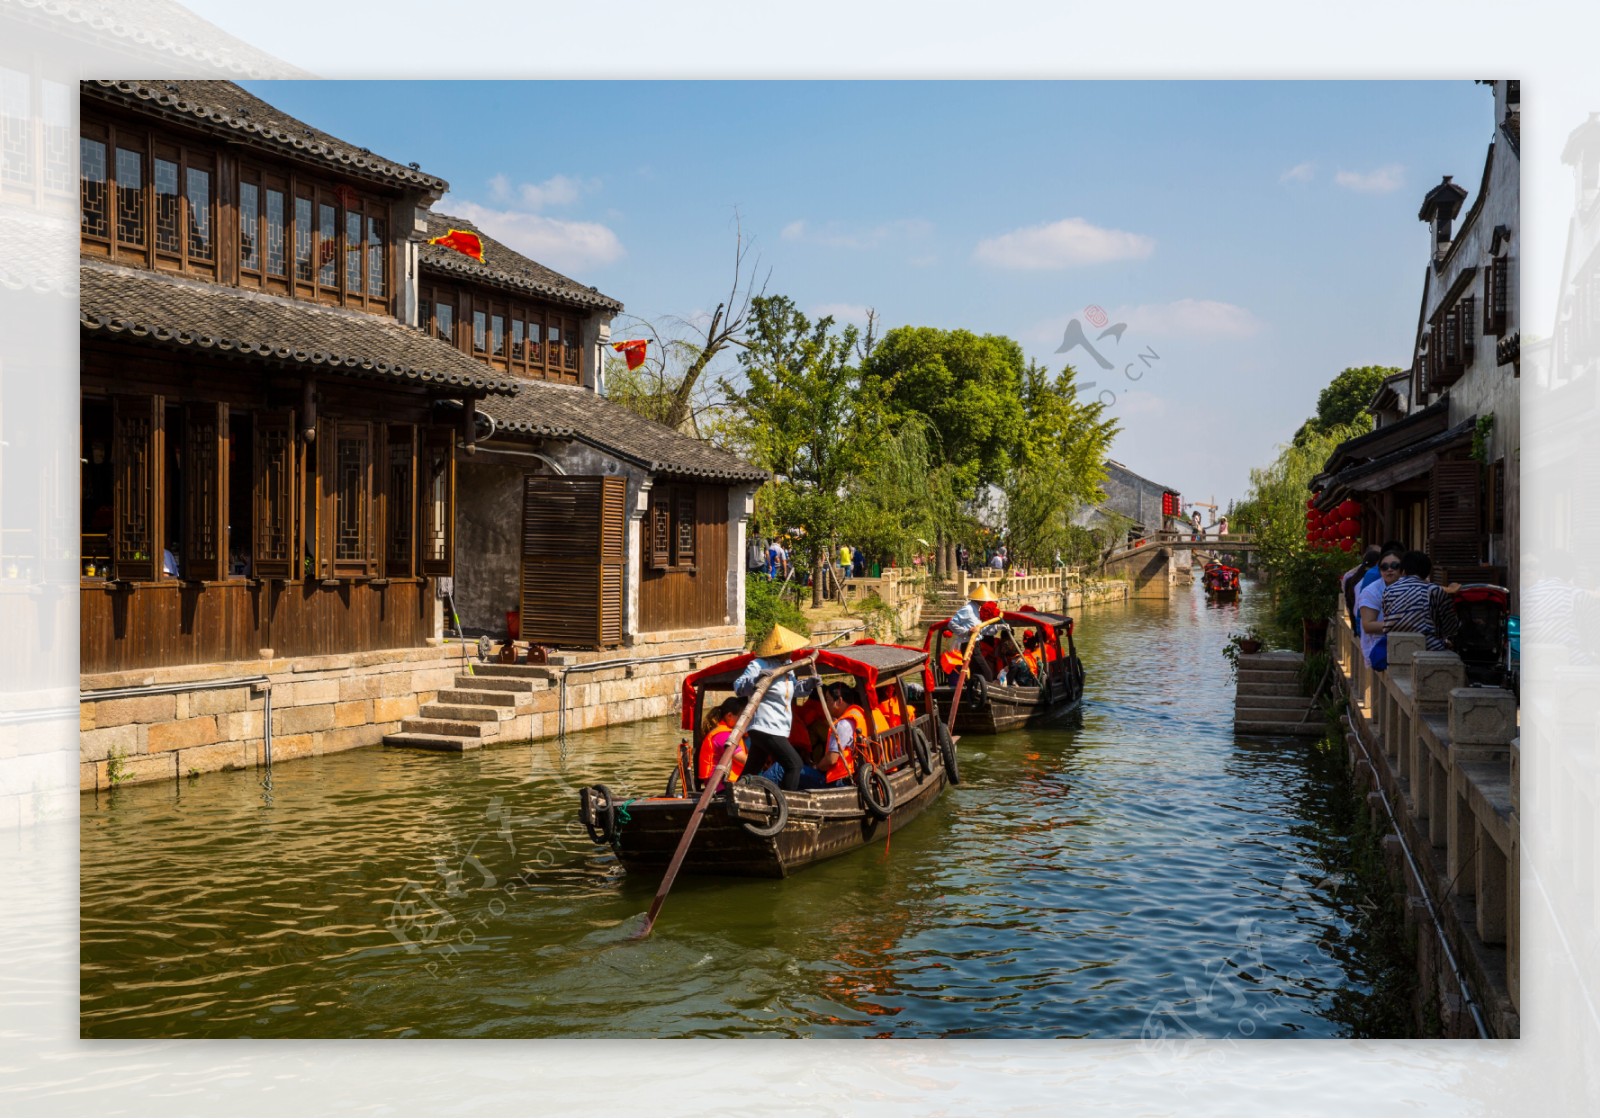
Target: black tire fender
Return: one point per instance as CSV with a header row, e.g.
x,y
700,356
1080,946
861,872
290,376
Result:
x,y
947,753
978,688
599,813
920,754
877,795
672,783
779,802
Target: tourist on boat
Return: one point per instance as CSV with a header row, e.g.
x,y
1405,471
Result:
x,y
848,732
1369,607
808,726
774,717
716,740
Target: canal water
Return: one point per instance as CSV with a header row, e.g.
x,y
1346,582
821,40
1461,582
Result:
x,y
1137,873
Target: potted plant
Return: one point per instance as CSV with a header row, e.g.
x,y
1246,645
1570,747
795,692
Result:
x,y
1250,641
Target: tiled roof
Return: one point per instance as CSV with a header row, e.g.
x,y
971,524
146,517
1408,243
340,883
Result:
x,y
225,109
150,306
569,411
167,34
505,267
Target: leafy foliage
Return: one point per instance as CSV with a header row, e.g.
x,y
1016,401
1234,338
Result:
x,y
1344,401
1056,466
967,385
766,605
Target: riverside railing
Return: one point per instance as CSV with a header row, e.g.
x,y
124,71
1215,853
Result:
x,y
1447,757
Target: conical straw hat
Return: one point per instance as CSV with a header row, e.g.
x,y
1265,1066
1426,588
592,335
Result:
x,y
980,593
780,642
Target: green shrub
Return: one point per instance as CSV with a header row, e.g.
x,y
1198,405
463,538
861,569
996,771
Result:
x,y
765,607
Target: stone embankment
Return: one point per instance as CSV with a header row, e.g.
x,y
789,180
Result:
x,y
1269,700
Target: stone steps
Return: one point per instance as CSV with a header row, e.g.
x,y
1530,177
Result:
x,y
517,671
504,701
1311,728
499,683
1267,700
1285,701
444,743
452,728
1268,676
465,713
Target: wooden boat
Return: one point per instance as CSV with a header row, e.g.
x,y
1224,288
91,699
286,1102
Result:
x,y
755,829
988,707
1220,581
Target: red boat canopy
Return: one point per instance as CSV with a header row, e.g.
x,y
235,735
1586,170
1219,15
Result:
x,y
865,660
1050,624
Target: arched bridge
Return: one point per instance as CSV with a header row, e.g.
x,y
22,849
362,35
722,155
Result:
x,y
1232,542
1148,561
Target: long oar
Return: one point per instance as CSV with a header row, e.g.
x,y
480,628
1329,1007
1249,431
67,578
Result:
x,y
961,676
762,685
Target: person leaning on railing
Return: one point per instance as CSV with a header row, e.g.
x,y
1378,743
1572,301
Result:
x,y
1414,605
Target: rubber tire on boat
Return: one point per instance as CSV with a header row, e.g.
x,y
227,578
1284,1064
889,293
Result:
x,y
881,807
920,752
775,795
947,751
672,783
600,820
980,692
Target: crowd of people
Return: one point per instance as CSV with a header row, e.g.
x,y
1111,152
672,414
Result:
x,y
804,734
1389,592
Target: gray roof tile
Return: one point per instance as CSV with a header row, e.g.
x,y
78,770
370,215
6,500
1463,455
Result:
x,y
507,268
190,313
225,109
569,411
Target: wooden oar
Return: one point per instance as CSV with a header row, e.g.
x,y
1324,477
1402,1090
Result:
x,y
961,676
764,683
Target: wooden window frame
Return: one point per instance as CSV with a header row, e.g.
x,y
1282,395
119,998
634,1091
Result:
x,y
398,500
205,497
333,434
1496,296
275,496
673,507
153,145
436,485
138,456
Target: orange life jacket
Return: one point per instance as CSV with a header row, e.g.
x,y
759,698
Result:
x,y
711,748
806,717
890,710
845,767
1032,660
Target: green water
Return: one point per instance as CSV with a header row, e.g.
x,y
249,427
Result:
x,y
1138,872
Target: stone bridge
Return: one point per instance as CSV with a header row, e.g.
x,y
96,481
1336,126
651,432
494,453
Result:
x,y
1152,564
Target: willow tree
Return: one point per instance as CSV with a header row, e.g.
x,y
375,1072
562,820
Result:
x,y
904,495
799,414
1056,466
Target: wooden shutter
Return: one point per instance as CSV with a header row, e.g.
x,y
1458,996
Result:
x,y
1496,301
1453,539
574,560
205,546
137,455
275,539
437,508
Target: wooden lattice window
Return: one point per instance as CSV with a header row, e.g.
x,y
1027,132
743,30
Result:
x,y
1496,296
147,199
684,527
660,532
137,453
276,457
436,484
205,546
400,500
347,499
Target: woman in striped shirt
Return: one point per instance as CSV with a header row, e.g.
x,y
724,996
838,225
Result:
x,y
1414,605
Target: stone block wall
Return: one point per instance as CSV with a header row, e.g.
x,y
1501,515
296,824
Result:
x,y
320,705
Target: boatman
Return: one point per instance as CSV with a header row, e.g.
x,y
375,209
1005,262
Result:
x,y
979,608
769,729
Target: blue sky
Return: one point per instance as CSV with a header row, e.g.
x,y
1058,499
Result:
x,y
1257,236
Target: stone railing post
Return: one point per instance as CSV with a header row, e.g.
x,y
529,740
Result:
x,y
1402,647
1434,676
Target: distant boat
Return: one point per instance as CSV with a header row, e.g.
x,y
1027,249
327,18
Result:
x,y
1221,581
988,707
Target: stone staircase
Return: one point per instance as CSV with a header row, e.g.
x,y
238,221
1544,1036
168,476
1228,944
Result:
x,y
945,601
1268,699
475,711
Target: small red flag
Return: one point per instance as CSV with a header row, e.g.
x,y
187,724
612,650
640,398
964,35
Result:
x,y
632,351
462,241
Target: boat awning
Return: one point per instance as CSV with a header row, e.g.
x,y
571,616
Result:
x,y
868,661
1388,471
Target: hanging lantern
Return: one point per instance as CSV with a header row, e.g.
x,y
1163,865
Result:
x,y
1347,544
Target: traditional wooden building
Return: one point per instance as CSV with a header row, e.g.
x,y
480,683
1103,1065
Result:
x,y
267,451
1440,472
596,527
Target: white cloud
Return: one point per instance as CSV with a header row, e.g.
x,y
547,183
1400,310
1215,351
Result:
x,y
1299,173
1188,318
1383,180
841,312
841,235
1193,319
1062,244
567,246
557,190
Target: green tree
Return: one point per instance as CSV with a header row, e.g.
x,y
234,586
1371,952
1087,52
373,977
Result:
x,y
904,496
1056,465
799,416
1344,401
966,385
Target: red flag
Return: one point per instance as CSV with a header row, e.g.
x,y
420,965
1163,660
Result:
x,y
462,241
632,351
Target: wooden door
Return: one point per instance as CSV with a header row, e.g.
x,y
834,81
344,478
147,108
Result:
x,y
574,560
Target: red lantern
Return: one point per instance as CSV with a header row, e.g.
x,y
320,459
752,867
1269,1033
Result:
x,y
1347,544
1348,527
